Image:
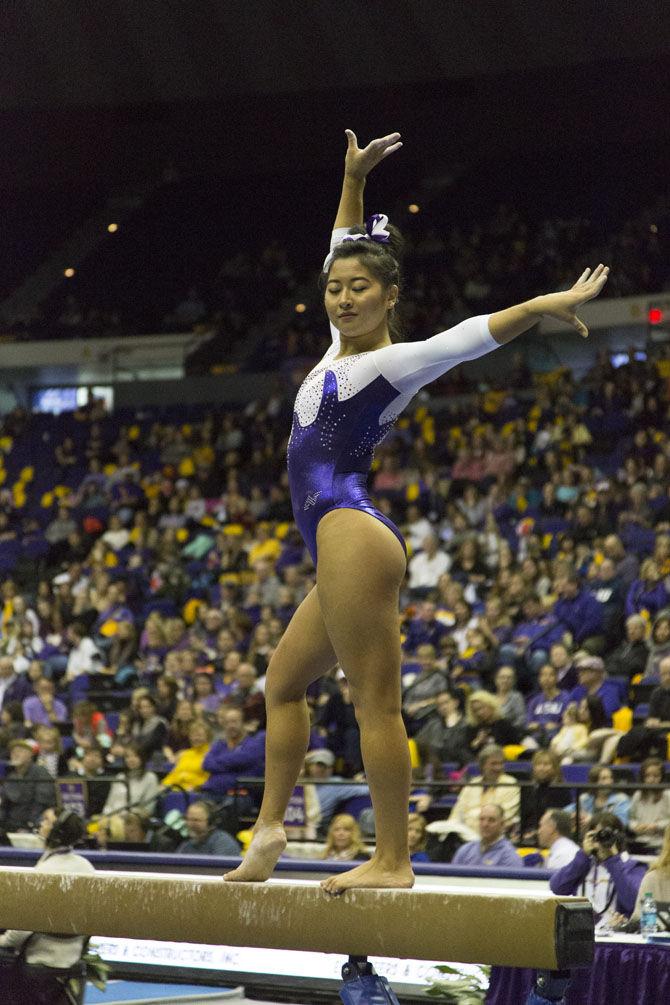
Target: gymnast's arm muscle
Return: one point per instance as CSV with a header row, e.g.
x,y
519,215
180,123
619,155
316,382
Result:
x,y
350,211
411,365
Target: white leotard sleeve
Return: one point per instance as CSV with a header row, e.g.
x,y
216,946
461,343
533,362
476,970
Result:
x,y
410,366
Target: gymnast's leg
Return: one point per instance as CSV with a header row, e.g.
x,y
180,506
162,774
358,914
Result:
x,y
361,565
303,655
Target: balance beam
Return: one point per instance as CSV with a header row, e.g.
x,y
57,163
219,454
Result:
x,y
429,923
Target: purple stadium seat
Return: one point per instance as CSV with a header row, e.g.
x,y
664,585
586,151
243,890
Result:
x,y
576,773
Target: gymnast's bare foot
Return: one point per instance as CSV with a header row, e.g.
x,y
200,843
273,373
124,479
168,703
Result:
x,y
257,865
370,875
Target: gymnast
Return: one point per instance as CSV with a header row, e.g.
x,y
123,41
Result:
x,y
343,409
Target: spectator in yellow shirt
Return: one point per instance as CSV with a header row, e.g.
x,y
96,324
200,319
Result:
x,y
188,772
265,546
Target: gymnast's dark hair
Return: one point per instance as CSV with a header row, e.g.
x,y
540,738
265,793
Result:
x,y
383,260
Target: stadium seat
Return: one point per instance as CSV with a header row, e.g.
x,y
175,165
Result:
x,y
355,805
575,773
522,769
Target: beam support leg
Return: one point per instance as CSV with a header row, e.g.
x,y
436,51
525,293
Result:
x,y
550,987
362,986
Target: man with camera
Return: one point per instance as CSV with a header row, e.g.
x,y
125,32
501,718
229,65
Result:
x,y
603,871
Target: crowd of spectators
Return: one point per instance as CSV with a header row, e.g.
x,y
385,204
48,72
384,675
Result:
x,y
150,566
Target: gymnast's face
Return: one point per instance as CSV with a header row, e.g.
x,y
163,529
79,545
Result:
x,y
357,304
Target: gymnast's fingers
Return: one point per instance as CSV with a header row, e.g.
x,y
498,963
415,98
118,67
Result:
x,y
391,149
579,326
386,140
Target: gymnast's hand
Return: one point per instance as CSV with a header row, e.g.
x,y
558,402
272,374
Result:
x,y
359,163
562,306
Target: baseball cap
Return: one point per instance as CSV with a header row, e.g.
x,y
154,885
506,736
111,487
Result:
x,y
30,745
322,756
587,662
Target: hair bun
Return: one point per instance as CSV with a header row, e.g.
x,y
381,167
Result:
x,y
396,242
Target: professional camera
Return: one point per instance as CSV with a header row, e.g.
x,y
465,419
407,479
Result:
x,y
606,837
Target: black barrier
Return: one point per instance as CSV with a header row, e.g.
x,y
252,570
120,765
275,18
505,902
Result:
x,y
435,786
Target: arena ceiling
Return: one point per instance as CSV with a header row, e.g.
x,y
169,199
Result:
x,y
110,91
117,52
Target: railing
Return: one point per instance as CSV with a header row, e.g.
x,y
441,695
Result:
x,y
450,786
56,782
435,788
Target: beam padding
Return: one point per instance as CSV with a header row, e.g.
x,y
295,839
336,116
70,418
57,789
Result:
x,y
430,923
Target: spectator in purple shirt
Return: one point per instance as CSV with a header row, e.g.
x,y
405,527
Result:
x,y
234,755
493,850
579,613
204,694
648,592
424,628
593,682
544,711
43,708
114,611
532,638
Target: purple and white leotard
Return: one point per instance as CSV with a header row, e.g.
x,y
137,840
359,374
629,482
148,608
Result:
x,y
345,407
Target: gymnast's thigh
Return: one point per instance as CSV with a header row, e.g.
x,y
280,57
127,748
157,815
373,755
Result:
x,y
304,652
361,565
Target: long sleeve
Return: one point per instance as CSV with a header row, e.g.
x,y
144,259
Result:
x,y
188,771
626,876
565,882
410,366
508,798
582,615
117,799
466,807
509,858
220,758
147,792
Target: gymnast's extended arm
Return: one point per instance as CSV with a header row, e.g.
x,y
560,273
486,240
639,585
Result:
x,y
410,366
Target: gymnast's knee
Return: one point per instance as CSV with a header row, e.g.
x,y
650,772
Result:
x,y
373,705
282,692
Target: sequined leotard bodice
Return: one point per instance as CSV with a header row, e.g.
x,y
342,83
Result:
x,y
345,407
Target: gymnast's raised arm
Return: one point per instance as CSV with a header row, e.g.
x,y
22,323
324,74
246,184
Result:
x,y
357,166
